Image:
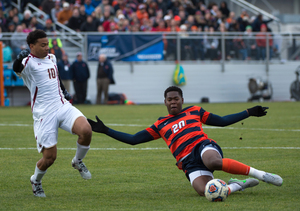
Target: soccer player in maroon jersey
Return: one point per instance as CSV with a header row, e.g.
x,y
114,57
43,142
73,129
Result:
x,y
196,154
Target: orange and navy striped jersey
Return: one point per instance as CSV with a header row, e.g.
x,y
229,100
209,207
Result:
x,y
181,132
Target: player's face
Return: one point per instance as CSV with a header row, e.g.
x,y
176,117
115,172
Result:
x,y
174,102
41,48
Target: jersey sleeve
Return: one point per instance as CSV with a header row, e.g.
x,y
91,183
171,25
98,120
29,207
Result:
x,y
204,115
153,131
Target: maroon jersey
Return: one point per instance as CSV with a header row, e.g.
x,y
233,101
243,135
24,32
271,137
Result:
x,y
181,132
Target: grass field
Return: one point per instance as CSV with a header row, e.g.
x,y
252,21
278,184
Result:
x,y
144,177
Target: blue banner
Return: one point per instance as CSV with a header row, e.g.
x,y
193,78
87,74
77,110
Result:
x,y
126,47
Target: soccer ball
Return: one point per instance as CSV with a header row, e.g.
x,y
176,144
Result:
x,y
216,190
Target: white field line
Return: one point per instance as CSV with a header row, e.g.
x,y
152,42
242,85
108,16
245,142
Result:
x,y
206,127
155,148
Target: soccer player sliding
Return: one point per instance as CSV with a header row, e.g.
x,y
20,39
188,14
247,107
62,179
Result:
x,y
196,154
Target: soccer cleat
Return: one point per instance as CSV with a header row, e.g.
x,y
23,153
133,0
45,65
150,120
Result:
x,y
246,183
273,179
84,172
37,188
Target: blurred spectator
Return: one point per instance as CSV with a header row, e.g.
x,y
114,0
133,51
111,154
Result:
x,y
113,27
56,50
211,44
80,74
133,4
231,18
64,15
16,20
163,5
75,21
54,11
261,43
161,26
17,13
199,19
11,27
33,25
127,11
141,13
89,8
3,22
7,53
198,51
98,13
120,5
256,25
250,42
27,17
96,3
240,47
123,24
82,13
89,25
63,67
185,44
190,21
49,26
106,3
105,21
10,16
181,17
224,9
104,78
228,42
47,6
18,40
243,20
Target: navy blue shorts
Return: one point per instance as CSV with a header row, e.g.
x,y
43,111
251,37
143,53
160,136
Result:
x,y
194,162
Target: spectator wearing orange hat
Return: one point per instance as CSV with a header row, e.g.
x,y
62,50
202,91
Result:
x,y
261,43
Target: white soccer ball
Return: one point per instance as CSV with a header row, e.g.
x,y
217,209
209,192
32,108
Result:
x,y
216,190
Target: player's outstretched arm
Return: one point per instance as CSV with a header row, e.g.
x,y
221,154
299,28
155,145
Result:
x,y
138,138
17,65
216,120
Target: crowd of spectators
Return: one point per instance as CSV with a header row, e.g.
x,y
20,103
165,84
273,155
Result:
x,y
150,16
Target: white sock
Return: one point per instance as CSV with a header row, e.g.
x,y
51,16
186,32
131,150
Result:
x,y
256,173
81,152
38,174
234,187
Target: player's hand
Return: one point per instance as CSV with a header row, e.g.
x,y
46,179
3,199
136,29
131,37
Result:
x,y
23,54
98,126
257,111
67,95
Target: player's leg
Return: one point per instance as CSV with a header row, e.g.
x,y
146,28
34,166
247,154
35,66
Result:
x,y
234,167
49,156
83,129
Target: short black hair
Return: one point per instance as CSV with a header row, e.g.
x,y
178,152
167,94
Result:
x,y
35,35
173,88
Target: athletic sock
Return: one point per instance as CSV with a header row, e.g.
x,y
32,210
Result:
x,y
38,174
81,152
234,167
233,188
256,173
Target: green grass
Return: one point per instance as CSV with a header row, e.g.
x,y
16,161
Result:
x,y
126,177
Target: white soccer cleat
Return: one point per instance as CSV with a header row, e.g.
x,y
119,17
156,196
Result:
x,y
84,172
37,188
246,183
273,179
